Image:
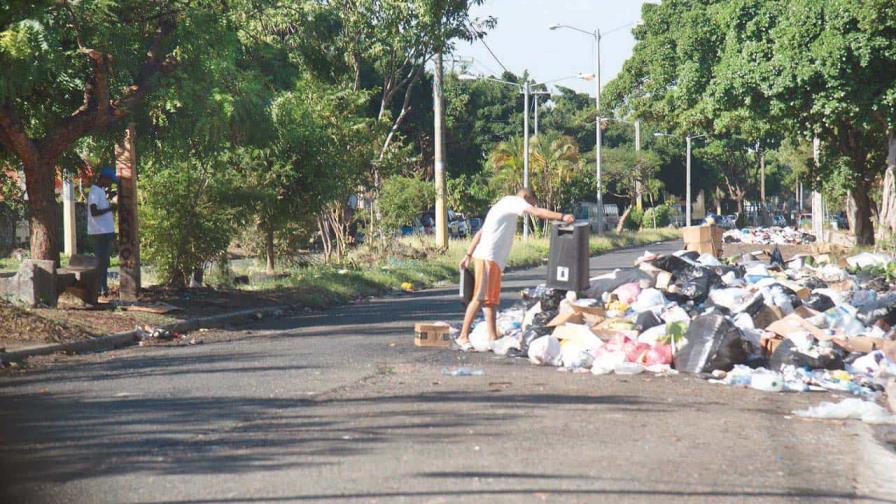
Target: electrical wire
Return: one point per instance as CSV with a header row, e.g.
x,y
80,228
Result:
x,y
475,33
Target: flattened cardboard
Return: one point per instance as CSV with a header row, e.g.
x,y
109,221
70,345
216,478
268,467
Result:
x,y
793,323
591,310
566,318
663,279
861,344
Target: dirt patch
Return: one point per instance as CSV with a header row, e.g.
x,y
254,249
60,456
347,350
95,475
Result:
x,y
21,327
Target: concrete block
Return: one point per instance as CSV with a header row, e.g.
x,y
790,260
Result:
x,y
34,284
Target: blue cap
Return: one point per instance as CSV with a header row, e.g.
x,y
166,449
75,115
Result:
x,y
109,173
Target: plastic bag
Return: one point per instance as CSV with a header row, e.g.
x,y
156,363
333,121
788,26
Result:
x,y
788,354
713,342
646,320
865,411
503,345
575,356
648,299
868,259
532,334
672,264
610,281
883,309
479,338
606,360
545,351
695,283
777,259
819,302
708,260
654,334
627,293
550,299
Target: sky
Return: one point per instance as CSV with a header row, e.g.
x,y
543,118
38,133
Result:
x,y
522,41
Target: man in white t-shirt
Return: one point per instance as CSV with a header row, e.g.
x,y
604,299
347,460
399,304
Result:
x,y
489,251
101,223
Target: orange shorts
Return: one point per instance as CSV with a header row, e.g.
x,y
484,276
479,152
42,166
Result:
x,y
487,287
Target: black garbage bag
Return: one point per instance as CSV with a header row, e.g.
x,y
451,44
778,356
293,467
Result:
x,y
695,282
532,334
647,319
777,258
671,263
819,302
795,299
787,354
713,342
882,309
813,283
879,284
691,255
550,300
543,318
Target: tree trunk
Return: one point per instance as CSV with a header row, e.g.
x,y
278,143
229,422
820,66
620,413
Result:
x,y
269,248
862,226
887,220
621,224
40,181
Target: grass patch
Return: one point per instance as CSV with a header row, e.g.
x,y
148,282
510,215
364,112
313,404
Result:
x,y
324,285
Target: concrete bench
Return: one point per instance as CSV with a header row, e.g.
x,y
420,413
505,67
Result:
x,y
39,282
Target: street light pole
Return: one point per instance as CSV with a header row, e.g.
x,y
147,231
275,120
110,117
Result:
x,y
526,151
687,212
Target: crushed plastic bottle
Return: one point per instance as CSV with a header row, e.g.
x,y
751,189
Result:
x,y
462,372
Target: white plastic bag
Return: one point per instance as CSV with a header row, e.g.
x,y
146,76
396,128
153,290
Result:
x,y
708,260
545,351
866,259
503,345
575,356
530,315
865,411
479,338
648,299
650,336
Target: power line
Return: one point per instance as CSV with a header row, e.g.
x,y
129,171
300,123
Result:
x,y
618,28
475,33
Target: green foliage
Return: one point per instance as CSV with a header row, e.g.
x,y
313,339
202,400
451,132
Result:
x,y
187,219
660,214
635,219
402,199
470,195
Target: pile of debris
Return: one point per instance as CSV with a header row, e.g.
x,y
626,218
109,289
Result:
x,y
768,236
801,325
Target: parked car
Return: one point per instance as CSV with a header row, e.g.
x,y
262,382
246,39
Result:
x,y
779,220
459,227
475,224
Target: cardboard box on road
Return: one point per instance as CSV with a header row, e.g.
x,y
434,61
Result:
x,y
433,334
705,239
567,318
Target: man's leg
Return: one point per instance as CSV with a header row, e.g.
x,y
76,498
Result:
x,y
490,323
103,246
469,315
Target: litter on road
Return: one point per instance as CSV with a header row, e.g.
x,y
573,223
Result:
x,y
768,236
806,324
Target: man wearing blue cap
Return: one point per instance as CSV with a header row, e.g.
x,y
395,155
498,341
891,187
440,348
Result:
x,y
101,224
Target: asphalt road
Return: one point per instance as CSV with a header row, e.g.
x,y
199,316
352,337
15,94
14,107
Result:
x,y
340,406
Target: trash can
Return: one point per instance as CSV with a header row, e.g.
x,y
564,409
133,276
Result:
x,y
568,267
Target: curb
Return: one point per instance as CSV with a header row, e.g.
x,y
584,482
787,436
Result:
x,y
129,338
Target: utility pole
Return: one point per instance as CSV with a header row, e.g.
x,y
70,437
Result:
x,y
439,155
599,189
687,202
526,150
817,198
638,188
69,221
535,97
128,231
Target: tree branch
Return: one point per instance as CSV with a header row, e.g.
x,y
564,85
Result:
x,y
405,108
14,137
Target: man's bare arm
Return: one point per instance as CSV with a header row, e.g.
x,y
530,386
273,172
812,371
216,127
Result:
x,y
544,213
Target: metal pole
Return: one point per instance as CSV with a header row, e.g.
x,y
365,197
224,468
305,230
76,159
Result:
x,y
640,200
535,97
687,212
599,189
68,217
526,151
439,155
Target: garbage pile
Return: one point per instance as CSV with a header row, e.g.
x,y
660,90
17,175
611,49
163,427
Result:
x,y
807,324
768,236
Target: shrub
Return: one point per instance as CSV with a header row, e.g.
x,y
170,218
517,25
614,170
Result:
x,y
635,219
402,199
663,216
186,220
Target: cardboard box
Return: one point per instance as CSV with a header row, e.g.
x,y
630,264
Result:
x,y
705,248
432,335
592,319
802,292
705,239
591,310
766,316
804,311
793,323
861,344
567,318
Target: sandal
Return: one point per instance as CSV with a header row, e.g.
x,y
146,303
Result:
x,y
466,346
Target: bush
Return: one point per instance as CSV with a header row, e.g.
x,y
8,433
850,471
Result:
x,y
402,199
663,216
185,220
635,219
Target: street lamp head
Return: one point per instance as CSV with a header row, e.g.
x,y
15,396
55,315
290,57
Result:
x,y
467,77
587,77
658,134
553,26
